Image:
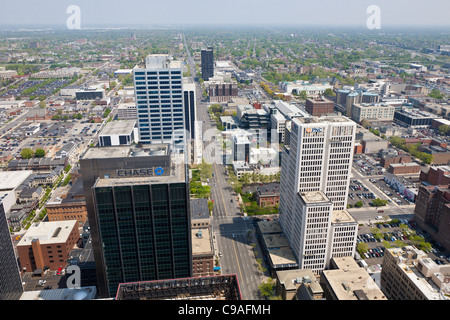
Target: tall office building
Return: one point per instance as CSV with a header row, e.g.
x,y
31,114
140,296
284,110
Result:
x,y
159,101
10,281
138,209
207,63
315,176
193,131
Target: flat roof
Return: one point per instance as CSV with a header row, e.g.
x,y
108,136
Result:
x,y
48,232
126,151
275,240
84,293
201,241
352,283
12,179
120,127
177,175
314,197
282,256
291,278
269,227
341,216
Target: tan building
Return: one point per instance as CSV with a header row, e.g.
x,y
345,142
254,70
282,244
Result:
x,y
202,244
47,244
346,280
372,112
298,284
409,274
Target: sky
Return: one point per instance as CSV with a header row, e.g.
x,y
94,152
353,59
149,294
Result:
x,y
235,12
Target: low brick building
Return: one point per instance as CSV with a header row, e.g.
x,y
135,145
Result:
x,y
47,244
389,159
436,176
71,205
319,106
404,168
268,195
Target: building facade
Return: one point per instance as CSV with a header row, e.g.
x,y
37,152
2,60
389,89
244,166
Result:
x,y
159,100
10,281
319,106
138,210
409,274
47,244
207,63
318,159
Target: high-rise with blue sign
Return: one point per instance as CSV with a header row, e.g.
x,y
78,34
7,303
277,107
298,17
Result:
x,y
138,207
315,176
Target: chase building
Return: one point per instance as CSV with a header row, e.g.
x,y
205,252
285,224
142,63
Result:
x,y
138,209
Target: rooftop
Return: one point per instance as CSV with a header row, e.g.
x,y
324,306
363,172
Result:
x,y
201,241
314,197
48,232
341,216
12,179
161,61
123,127
126,151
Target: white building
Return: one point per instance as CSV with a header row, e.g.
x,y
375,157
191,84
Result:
x,y
116,133
127,111
312,90
318,158
159,100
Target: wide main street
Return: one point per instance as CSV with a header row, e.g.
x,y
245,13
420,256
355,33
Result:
x,y
231,232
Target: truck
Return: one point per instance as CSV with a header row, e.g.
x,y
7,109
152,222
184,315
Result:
x,y
363,264
216,268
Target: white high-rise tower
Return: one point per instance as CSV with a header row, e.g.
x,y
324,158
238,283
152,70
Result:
x,y
316,165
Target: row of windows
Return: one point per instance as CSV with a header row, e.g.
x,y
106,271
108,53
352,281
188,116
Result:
x,y
156,72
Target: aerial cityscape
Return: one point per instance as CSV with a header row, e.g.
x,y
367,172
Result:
x,y
254,160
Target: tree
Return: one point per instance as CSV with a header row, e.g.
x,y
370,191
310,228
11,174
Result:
x,y
39,153
435,93
444,129
266,288
329,92
26,153
379,203
359,204
365,123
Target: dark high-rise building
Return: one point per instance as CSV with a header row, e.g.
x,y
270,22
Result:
x,y
207,56
138,209
10,281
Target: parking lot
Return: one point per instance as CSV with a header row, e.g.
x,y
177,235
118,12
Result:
x,y
394,234
391,193
359,192
37,87
366,165
48,280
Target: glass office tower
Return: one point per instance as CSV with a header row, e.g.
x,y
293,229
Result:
x,y
207,63
159,100
10,281
138,209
